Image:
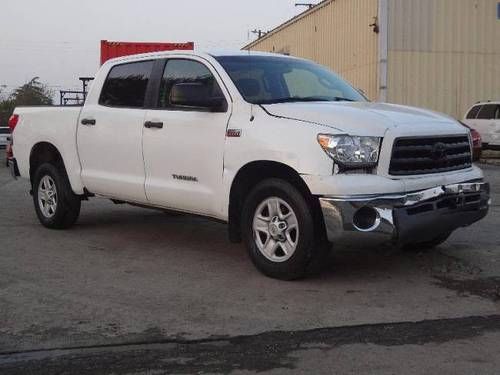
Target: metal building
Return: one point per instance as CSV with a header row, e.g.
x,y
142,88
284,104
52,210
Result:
x,y
438,54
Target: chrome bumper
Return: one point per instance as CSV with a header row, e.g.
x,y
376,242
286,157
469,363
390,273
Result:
x,y
409,217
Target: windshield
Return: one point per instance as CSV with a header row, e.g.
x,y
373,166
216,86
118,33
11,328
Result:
x,y
274,79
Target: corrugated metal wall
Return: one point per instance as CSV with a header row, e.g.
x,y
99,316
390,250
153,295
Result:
x,y
443,54
335,33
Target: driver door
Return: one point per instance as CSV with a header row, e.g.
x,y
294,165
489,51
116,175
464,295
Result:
x,y
184,145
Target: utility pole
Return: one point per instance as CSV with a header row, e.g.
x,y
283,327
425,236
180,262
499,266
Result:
x,y
258,32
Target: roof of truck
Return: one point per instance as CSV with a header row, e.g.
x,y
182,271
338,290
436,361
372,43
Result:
x,y
220,53
214,53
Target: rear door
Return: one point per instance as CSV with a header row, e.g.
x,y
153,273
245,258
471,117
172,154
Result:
x,y
110,134
471,116
495,128
485,122
184,152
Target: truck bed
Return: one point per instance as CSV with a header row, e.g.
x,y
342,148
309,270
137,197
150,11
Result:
x,y
55,125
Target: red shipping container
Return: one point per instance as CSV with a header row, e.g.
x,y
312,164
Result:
x,y
110,50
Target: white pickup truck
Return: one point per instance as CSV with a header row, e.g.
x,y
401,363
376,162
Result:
x,y
292,157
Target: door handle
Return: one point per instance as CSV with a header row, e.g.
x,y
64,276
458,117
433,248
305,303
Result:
x,y
153,125
88,122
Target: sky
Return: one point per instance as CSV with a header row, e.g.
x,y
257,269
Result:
x,y
58,40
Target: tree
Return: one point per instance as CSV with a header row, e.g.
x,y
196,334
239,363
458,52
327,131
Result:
x,y
31,93
6,108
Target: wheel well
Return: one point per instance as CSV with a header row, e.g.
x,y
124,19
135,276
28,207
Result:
x,y
253,173
41,153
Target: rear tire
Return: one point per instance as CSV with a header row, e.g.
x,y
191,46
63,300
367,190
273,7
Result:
x,y
56,206
279,231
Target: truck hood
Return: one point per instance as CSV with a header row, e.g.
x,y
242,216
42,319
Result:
x,y
365,118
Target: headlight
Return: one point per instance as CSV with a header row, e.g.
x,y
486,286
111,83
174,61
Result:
x,y
351,151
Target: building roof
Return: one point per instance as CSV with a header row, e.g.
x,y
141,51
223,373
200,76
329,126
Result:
x,y
290,22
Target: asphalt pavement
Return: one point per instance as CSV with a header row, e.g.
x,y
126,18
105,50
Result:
x,y
133,291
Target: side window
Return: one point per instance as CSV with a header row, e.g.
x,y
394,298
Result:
x,y
487,112
497,117
126,85
186,71
473,112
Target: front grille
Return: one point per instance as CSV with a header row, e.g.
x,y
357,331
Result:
x,y
427,155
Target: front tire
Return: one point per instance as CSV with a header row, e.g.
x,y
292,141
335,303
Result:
x,y
278,229
56,206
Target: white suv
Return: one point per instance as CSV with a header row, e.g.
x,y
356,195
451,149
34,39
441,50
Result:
x,y
485,118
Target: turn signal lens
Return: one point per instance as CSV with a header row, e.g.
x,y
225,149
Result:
x,y
324,140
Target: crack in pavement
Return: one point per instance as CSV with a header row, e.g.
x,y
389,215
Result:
x,y
261,352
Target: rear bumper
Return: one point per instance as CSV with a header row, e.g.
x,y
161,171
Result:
x,y
14,170
407,218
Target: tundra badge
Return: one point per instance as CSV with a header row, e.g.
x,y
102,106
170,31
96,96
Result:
x,y
185,178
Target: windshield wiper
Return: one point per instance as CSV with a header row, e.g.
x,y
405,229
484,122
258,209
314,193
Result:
x,y
298,99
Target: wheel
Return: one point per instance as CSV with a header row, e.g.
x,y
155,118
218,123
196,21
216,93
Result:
x,y
428,245
279,232
56,206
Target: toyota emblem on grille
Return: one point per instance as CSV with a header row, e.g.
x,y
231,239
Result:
x,y
438,151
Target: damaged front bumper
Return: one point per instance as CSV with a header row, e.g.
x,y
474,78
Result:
x,y
410,217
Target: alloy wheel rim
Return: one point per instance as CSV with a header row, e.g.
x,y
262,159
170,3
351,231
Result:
x,y
47,196
276,229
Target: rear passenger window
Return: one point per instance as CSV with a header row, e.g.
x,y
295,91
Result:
x,y
488,112
126,85
473,112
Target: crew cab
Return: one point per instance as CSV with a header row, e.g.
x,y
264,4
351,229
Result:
x,y
286,152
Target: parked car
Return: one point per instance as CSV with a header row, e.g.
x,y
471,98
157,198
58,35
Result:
x,y
477,143
485,118
4,136
286,152
5,142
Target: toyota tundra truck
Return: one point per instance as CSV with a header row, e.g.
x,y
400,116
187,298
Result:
x,y
287,153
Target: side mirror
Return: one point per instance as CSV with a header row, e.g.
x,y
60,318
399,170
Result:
x,y
196,95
